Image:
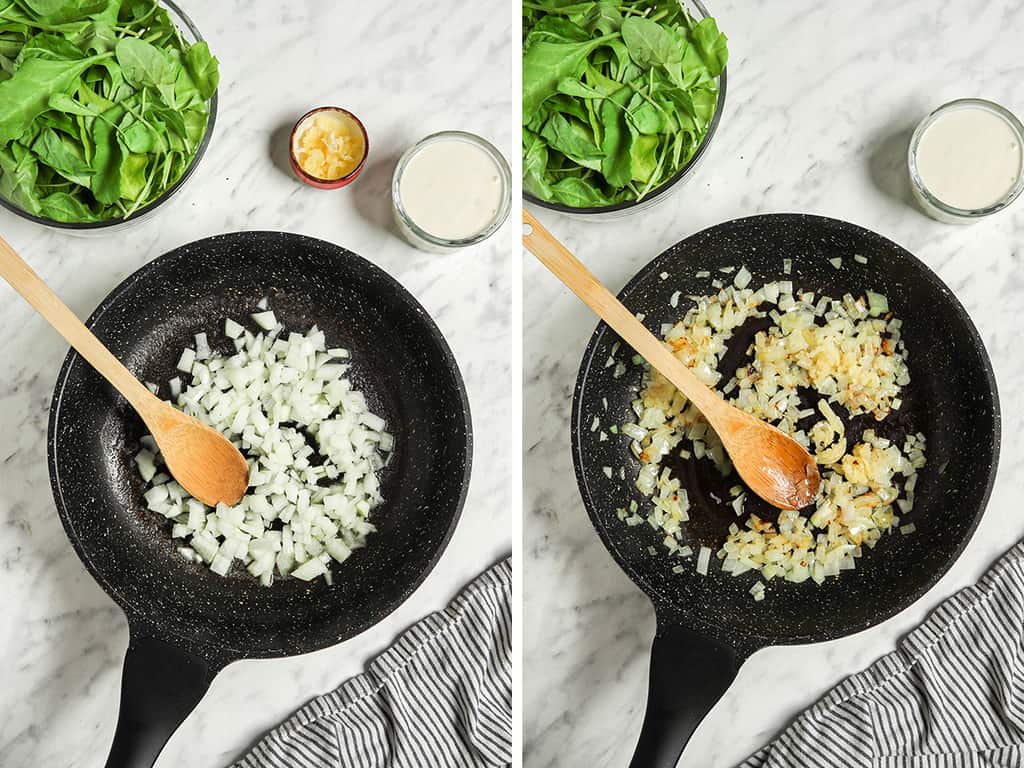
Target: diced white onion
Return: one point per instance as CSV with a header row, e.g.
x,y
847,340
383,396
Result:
x,y
146,462
232,329
265,320
202,347
743,278
703,560
260,398
188,357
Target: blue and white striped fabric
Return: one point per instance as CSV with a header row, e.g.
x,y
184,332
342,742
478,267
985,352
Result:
x,y
951,695
440,697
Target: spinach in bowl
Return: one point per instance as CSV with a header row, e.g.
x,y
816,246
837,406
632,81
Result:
x,y
103,106
618,96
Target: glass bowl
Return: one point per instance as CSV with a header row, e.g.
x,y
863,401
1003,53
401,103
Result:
x,y
620,210
419,237
191,35
931,204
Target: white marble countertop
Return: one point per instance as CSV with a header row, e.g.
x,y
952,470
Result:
x,y
821,102
407,69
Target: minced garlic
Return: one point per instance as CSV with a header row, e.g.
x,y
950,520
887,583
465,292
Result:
x,y
329,145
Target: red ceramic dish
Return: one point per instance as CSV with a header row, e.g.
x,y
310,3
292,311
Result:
x,y
313,181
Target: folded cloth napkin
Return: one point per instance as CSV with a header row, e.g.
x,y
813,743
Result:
x,y
440,697
950,696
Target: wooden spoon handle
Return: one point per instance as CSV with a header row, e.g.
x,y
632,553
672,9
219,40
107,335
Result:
x,y
37,293
567,268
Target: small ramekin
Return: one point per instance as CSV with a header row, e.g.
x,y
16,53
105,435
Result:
x,y
313,181
932,205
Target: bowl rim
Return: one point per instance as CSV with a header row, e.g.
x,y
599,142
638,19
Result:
x,y
671,183
138,215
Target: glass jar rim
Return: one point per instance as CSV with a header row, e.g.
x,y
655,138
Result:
x,y
929,120
504,172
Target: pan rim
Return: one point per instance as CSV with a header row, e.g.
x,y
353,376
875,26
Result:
x,y
223,652
753,640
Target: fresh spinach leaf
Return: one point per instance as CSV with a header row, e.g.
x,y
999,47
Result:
x,y
644,116
65,12
574,140
578,193
650,44
63,206
18,173
133,174
195,127
60,154
703,106
26,95
95,36
106,160
61,102
535,161
616,165
572,86
203,68
546,64
139,137
146,65
643,157
602,18
48,46
712,45
557,29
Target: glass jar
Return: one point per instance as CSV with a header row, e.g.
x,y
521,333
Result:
x,y
927,199
419,237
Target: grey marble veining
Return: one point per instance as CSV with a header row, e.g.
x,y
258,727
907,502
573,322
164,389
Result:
x,y
821,103
407,69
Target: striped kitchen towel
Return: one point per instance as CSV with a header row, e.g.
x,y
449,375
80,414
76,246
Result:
x,y
440,697
950,696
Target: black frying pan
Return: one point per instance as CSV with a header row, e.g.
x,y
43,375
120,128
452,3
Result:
x,y
708,626
186,622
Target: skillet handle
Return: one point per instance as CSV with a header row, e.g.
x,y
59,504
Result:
x,y
160,686
690,672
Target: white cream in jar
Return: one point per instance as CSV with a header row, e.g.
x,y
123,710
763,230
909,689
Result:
x,y
450,190
966,160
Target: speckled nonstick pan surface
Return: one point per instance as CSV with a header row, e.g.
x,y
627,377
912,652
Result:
x,y
186,622
707,626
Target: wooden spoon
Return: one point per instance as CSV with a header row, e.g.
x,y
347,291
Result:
x,y
772,464
203,461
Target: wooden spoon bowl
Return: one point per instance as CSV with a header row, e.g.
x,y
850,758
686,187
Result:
x,y
771,463
204,462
